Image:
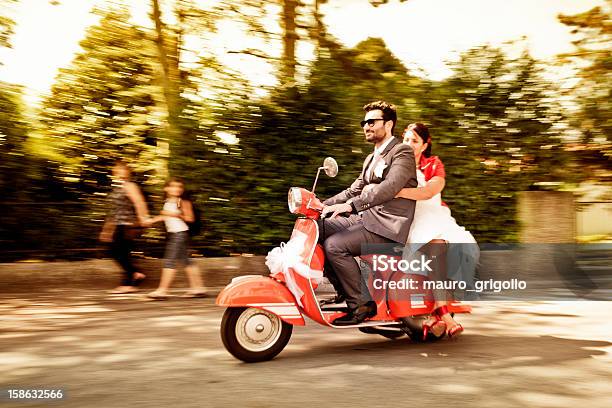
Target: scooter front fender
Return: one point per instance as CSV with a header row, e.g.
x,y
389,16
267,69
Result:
x,y
261,292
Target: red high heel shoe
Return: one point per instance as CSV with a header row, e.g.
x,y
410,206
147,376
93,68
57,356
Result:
x,y
454,331
436,328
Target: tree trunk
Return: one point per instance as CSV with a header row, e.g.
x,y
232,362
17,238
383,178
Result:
x,y
168,53
290,38
319,29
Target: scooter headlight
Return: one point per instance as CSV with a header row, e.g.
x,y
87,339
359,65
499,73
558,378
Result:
x,y
294,200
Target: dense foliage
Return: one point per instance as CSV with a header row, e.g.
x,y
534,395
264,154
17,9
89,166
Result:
x,y
496,123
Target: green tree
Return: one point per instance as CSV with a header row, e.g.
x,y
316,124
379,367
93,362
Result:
x,y
13,162
593,31
13,136
7,23
13,131
495,124
284,138
106,105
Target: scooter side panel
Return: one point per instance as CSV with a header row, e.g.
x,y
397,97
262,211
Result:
x,y
404,301
458,307
261,292
313,256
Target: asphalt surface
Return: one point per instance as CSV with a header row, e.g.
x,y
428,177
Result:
x,y
126,351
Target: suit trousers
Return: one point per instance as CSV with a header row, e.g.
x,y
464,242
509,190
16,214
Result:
x,y
342,238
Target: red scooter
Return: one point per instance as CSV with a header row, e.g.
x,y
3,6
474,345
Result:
x,y
262,310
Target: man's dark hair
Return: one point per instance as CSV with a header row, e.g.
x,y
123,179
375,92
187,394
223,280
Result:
x,y
388,110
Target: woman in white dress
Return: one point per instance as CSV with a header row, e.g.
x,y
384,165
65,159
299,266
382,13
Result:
x,y
433,227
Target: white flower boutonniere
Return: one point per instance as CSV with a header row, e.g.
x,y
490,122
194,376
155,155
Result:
x,y
380,167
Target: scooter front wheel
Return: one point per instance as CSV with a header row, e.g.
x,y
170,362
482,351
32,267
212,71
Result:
x,y
253,335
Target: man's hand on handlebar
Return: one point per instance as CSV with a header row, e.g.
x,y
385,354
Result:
x,y
336,209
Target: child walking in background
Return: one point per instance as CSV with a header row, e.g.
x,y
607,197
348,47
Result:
x,y
177,213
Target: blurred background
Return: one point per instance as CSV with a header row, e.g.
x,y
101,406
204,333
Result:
x,y
244,99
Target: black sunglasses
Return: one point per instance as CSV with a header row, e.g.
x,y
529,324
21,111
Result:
x,y
370,122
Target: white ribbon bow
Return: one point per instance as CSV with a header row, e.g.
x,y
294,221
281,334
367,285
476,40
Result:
x,y
287,258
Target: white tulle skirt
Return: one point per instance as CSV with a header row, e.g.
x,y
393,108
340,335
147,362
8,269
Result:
x,y
432,220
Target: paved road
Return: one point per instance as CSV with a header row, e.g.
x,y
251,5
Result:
x,y
125,351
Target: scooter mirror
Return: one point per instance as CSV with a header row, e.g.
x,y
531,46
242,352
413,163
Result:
x,y
330,166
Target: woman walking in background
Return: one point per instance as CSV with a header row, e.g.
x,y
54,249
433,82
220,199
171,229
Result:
x,y
124,224
177,213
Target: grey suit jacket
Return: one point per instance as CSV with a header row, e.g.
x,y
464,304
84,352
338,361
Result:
x,y
382,213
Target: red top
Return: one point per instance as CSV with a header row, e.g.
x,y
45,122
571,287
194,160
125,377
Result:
x,y
431,166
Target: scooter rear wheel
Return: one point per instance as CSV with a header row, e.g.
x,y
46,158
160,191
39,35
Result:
x,y
253,335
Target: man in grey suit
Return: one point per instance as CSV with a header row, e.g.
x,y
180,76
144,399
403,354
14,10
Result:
x,y
375,215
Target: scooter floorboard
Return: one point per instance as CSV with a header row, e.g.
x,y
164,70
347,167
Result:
x,y
367,323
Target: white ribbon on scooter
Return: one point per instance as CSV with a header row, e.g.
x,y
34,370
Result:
x,y
288,257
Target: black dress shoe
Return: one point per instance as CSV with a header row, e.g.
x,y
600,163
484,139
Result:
x,y
357,316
